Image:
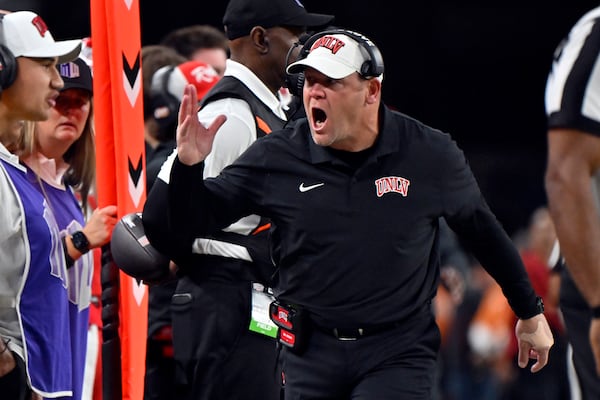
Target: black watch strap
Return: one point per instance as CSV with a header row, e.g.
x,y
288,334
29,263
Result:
x,y
539,304
532,309
80,242
69,260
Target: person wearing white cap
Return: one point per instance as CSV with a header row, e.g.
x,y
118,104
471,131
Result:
x,y
27,49
33,279
355,191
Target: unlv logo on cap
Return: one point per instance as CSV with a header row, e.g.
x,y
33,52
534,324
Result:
x,y
329,42
40,25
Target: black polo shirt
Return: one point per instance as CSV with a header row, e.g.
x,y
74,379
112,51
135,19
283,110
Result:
x,y
357,245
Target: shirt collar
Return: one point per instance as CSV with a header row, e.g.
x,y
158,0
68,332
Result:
x,y
9,157
48,169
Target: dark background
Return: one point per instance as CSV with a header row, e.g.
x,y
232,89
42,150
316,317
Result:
x,y
474,70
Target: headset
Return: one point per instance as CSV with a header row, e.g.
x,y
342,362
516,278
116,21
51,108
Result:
x,y
371,68
8,62
162,98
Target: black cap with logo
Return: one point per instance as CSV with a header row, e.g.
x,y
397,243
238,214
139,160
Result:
x,y
76,74
242,15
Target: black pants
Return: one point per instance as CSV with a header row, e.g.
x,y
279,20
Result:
x,y
13,386
577,318
399,363
216,357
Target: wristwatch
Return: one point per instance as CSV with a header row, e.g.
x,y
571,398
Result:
x,y
80,242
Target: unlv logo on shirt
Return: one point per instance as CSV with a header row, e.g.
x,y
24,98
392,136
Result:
x,y
392,184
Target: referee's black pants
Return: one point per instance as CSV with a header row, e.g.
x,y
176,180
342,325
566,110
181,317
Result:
x,y
577,316
216,356
398,363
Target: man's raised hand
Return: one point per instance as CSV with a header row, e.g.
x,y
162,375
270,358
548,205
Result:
x,y
194,140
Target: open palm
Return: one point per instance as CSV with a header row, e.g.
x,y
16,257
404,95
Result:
x,y
194,140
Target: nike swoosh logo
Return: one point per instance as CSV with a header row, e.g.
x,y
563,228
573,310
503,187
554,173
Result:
x,y
303,188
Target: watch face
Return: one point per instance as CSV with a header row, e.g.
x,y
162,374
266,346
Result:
x,y
80,242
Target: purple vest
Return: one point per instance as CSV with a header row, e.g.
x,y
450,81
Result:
x,y
69,219
42,304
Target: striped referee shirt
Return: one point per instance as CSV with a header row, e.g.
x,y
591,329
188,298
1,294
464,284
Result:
x,y
573,88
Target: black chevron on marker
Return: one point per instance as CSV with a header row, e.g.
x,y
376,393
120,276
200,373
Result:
x,y
135,172
131,72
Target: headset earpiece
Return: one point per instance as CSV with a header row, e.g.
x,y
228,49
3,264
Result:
x,y
295,82
8,63
365,69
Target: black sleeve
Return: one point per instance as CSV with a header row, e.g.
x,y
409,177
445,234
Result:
x,y
468,214
483,235
164,207
177,213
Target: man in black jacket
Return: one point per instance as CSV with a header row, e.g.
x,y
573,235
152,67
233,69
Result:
x,y
355,191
